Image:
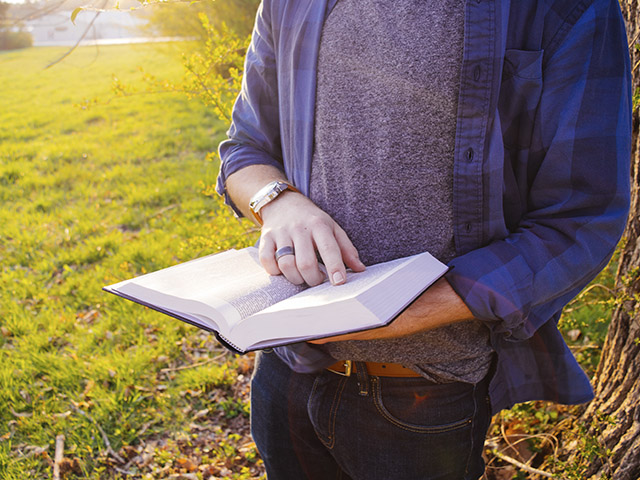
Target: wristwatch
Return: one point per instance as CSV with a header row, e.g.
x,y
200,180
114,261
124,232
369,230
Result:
x,y
267,194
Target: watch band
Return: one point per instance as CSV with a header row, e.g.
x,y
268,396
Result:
x,y
267,194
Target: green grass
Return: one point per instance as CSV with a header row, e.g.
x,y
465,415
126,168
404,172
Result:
x,y
96,188
585,321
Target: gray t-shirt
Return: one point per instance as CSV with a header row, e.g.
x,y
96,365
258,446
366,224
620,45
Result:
x,y
385,123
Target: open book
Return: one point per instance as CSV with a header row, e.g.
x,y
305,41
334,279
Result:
x,y
231,295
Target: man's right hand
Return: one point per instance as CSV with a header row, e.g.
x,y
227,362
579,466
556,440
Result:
x,y
294,220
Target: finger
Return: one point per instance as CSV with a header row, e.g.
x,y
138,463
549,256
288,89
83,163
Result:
x,y
288,267
331,255
266,254
349,253
306,260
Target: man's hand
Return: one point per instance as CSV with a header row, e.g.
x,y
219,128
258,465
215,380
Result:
x,y
292,220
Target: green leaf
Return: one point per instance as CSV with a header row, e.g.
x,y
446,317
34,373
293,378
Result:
x,y
75,13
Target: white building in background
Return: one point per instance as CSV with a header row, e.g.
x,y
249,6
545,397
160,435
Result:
x,y
57,29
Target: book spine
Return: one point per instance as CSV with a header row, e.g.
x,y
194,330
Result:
x,y
228,344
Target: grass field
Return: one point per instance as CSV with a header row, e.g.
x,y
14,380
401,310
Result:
x,y
89,196
95,188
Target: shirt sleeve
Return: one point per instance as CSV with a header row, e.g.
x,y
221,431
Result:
x,y
254,135
577,185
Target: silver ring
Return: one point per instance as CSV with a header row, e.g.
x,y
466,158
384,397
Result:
x,y
282,251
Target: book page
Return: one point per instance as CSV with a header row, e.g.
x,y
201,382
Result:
x,y
355,285
233,283
369,299
318,311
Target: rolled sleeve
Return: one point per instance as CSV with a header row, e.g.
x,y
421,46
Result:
x,y
254,134
577,184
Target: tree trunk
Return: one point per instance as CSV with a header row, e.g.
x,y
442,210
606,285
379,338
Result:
x,y
614,415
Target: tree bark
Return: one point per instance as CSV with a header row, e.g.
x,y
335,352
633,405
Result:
x,y
614,415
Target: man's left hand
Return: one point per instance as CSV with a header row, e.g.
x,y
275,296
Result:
x,y
438,306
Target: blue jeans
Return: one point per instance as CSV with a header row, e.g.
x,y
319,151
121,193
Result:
x,y
326,426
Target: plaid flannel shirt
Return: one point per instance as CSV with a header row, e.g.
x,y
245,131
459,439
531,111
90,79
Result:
x,y
541,167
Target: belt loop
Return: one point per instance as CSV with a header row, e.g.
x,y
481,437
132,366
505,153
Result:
x,y
363,378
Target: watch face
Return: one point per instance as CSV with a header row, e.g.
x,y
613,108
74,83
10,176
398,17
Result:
x,y
266,194
280,187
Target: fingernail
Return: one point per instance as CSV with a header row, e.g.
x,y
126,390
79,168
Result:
x,y
338,278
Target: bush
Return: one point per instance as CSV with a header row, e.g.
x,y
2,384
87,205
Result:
x,y
183,19
14,40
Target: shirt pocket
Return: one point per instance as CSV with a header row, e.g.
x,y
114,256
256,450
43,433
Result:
x,y
520,93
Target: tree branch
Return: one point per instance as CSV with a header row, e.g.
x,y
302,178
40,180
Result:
x,y
59,454
82,37
105,439
513,461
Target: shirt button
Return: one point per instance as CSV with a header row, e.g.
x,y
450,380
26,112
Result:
x,y
477,72
467,227
469,154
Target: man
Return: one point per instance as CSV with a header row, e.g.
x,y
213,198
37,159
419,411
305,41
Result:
x,y
495,135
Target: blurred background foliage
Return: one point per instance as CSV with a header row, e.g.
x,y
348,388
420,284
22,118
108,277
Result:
x,y
12,36
185,18
221,32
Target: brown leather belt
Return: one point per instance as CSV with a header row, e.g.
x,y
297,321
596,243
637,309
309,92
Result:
x,y
347,367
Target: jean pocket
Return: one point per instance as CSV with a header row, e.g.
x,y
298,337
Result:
x,y
323,405
420,406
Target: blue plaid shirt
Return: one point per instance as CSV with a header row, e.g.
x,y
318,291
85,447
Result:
x,y
541,168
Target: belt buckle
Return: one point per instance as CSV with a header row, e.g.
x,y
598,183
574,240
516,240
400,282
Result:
x,y
348,364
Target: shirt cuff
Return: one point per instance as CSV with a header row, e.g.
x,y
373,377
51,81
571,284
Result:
x,y
497,290
234,158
